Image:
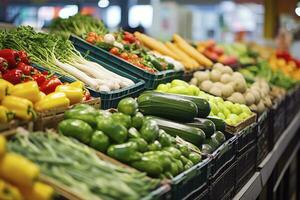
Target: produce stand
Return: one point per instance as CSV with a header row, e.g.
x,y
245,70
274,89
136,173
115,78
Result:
x,y
255,185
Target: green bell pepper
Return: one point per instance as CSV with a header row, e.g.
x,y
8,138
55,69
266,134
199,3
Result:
x,y
155,146
175,152
99,141
133,133
126,152
83,112
76,128
164,139
141,143
137,120
116,132
149,130
122,119
150,165
184,150
195,157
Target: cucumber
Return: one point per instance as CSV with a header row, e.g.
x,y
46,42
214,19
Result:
x,y
219,123
191,134
202,104
169,107
205,125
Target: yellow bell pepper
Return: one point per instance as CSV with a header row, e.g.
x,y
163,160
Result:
x,y
9,192
77,84
51,101
42,95
23,108
5,115
39,191
5,88
29,90
74,94
2,146
18,170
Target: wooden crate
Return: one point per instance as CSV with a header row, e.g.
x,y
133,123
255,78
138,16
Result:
x,y
50,119
240,126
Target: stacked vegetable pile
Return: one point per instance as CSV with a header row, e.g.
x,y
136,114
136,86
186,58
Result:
x,y
59,55
189,115
122,44
180,50
232,113
24,89
223,82
216,53
129,137
18,177
77,168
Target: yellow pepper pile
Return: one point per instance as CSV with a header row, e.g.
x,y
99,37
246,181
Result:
x,y
18,178
22,100
288,68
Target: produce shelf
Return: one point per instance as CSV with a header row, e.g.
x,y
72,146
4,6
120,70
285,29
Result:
x,y
255,185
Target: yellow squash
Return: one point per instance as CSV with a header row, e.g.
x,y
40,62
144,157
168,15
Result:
x,y
23,108
2,146
29,90
52,101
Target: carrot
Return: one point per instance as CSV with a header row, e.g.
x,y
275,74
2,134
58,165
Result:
x,y
187,48
155,45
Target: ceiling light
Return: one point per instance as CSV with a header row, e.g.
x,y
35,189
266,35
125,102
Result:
x,y
103,3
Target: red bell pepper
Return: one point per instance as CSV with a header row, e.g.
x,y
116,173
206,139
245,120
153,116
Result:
x,y
39,78
23,57
11,56
13,76
3,65
26,69
50,85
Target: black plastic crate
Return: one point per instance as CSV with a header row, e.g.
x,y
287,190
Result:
x,y
193,183
178,75
223,157
246,166
276,122
291,109
112,98
223,186
151,79
161,193
262,137
246,138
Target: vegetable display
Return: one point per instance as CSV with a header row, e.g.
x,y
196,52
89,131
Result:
x,y
121,44
18,177
221,81
129,137
59,55
232,113
77,168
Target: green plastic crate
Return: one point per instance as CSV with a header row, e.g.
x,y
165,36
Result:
x,y
151,79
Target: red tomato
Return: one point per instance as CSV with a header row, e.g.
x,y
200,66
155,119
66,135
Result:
x,y
124,56
114,51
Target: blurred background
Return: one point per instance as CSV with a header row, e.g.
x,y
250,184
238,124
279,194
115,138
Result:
x,y
225,21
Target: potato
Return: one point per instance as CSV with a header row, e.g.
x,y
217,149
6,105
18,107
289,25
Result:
x,y
225,78
206,85
216,91
227,90
215,75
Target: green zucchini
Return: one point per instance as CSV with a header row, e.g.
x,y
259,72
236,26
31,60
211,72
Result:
x,y
169,107
202,104
191,134
205,125
219,123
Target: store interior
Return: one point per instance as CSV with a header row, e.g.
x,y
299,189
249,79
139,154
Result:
x,y
149,99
